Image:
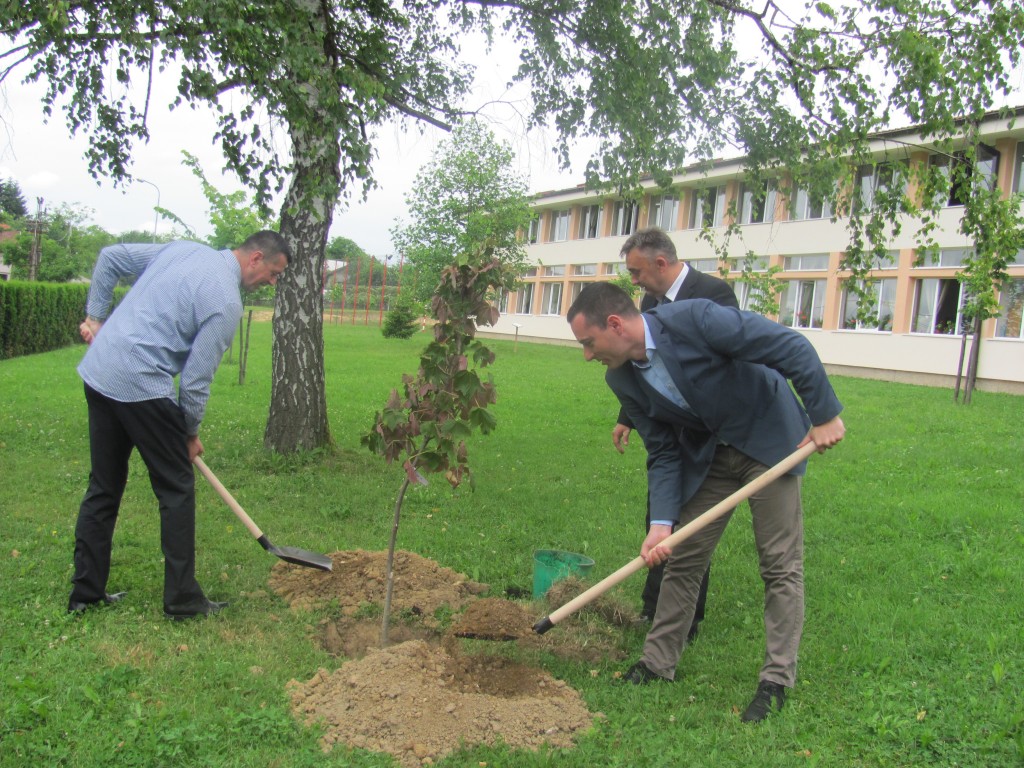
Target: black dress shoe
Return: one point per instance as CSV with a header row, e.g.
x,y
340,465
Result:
x,y
639,674
77,606
191,610
768,693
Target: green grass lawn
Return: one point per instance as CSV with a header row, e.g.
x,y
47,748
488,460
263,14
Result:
x,y
913,651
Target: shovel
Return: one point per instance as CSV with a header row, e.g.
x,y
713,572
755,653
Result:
x,y
683,533
290,554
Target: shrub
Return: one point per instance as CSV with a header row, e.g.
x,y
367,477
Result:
x,y
401,320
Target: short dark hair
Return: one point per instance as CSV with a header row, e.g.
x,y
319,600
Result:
x,y
651,241
268,241
599,300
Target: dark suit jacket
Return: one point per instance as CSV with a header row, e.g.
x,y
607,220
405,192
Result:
x,y
696,285
731,367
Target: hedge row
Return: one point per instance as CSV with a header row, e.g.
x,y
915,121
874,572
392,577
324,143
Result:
x,y
38,317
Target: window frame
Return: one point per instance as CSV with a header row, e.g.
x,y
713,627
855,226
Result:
x,y
866,202
757,205
625,217
940,304
590,222
552,291
814,317
802,206
561,219
657,216
715,216
526,290
1005,320
885,298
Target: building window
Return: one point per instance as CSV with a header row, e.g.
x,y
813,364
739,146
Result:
x,y
559,226
937,306
551,299
590,222
664,212
757,203
982,172
574,291
1018,173
750,296
585,270
533,231
803,304
502,303
891,260
806,262
704,265
945,257
883,306
611,268
805,206
1011,303
624,217
524,299
749,262
708,209
743,292
875,181
557,270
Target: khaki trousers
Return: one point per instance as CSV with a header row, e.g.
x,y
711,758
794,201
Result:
x,y
778,533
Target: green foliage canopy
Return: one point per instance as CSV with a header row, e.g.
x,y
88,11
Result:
x,y
467,194
12,201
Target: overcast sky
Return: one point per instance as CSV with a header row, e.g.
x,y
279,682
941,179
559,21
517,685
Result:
x,y
48,162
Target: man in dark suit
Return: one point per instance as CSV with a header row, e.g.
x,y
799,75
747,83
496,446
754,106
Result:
x,y
652,264
706,387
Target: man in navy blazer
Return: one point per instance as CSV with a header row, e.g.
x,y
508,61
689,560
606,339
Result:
x,y
707,388
654,265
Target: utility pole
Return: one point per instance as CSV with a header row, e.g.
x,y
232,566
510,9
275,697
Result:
x,y
33,258
156,216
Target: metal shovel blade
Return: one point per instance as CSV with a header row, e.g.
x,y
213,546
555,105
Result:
x,y
297,556
289,554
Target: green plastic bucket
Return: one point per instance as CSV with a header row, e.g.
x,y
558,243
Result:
x,y
550,565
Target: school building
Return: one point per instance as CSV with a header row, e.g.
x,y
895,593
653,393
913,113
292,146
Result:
x,y
914,336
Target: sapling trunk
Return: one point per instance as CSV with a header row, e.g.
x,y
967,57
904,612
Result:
x,y
389,567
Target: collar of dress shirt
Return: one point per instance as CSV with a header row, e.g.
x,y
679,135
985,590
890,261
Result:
x,y
649,345
673,290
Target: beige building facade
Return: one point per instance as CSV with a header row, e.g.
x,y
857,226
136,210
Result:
x,y
577,237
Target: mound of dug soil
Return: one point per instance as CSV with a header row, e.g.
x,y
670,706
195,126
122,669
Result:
x,y
429,693
419,703
359,579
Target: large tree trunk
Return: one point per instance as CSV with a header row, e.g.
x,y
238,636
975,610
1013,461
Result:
x,y
298,403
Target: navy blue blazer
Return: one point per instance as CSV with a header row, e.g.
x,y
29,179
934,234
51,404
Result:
x,y
696,285
732,368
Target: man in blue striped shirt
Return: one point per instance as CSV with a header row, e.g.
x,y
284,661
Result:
x,y
176,321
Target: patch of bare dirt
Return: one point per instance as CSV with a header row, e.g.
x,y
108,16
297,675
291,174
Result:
x,y
494,619
430,691
359,579
417,703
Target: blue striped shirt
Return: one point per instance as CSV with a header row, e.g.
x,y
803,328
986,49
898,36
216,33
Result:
x,y
177,320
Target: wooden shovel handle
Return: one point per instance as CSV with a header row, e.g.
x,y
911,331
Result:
x,y
679,535
228,498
